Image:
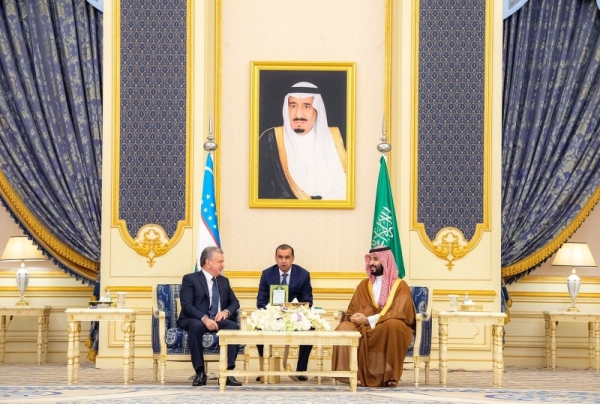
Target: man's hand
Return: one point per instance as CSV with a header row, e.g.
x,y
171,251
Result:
x,y
210,324
359,318
222,315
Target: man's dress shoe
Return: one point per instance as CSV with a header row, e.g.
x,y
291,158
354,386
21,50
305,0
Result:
x,y
200,379
230,381
302,378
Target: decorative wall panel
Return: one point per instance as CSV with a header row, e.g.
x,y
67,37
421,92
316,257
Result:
x,y
452,136
153,148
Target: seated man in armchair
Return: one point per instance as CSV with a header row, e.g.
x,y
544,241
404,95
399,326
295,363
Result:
x,y
208,304
383,311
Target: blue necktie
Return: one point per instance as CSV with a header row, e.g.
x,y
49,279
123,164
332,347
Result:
x,y
214,301
284,279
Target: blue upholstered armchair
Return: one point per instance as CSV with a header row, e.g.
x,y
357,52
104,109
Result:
x,y
420,349
169,342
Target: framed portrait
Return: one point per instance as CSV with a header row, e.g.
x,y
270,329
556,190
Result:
x,y
302,135
278,294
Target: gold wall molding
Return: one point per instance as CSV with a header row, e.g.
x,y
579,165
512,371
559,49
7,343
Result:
x,y
448,245
557,279
138,289
446,292
10,273
65,290
333,291
551,295
313,275
151,242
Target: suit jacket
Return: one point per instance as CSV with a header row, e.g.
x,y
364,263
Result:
x,y
195,299
299,285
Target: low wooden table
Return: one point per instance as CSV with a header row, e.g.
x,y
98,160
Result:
x,y
269,338
43,315
494,319
76,316
551,320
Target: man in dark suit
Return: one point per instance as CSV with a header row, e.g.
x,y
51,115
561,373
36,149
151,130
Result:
x,y
298,280
208,304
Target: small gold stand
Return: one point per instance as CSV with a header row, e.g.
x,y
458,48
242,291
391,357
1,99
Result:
x,y
22,302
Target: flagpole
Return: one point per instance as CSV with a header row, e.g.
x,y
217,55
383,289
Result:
x,y
208,231
384,147
210,145
385,227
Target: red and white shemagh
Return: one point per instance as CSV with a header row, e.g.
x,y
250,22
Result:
x,y
390,273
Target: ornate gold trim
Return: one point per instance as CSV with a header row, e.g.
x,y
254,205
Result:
x,y
562,295
450,244
461,250
55,289
314,275
387,89
151,242
472,293
35,273
557,279
337,291
161,246
550,248
64,254
121,288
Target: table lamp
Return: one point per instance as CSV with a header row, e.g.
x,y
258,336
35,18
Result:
x,y
21,248
574,255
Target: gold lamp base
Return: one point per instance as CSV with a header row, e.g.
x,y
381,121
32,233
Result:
x,y
573,309
22,302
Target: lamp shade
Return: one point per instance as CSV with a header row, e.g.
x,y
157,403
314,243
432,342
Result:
x,y
21,249
574,255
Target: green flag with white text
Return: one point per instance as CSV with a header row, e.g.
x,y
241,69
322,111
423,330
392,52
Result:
x,y
385,227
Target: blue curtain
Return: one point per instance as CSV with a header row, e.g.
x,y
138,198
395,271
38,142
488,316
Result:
x,y
551,128
51,127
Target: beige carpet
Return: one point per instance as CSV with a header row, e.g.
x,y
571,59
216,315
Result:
x,y
27,383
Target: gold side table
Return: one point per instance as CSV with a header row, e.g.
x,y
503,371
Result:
x,y
493,319
551,320
43,315
76,316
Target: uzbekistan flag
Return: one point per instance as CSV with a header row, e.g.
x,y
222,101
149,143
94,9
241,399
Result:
x,y
208,233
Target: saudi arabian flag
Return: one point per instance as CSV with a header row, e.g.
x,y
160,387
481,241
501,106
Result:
x,y
385,227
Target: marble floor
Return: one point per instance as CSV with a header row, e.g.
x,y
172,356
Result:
x,y
28,383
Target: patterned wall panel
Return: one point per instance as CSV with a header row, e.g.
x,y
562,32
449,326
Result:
x,y
451,118
153,150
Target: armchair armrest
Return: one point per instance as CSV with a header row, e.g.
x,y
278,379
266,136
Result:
x,y
338,314
242,315
419,318
162,332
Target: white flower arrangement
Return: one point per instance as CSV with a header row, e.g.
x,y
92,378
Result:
x,y
276,318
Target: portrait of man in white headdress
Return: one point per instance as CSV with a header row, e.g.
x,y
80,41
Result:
x,y
305,158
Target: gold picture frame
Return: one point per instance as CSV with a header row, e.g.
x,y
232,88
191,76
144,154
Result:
x,y
274,179
278,294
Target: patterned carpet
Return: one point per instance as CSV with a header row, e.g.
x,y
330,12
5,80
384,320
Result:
x,y
27,383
